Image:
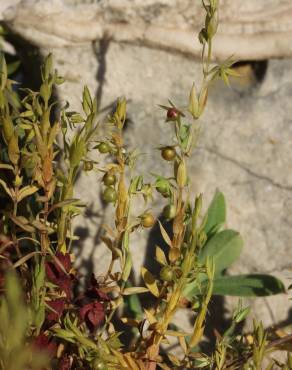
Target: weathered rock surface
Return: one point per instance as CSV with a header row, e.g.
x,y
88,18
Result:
x,y
144,50
248,30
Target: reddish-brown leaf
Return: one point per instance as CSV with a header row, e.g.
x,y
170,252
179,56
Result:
x,y
58,306
92,314
43,343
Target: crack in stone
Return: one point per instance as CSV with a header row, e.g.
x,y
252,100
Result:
x,y
246,169
250,183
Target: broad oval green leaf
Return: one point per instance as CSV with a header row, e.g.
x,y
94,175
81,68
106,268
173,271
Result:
x,y
252,285
224,247
216,214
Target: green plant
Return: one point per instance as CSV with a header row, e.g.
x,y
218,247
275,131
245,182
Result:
x,y
38,205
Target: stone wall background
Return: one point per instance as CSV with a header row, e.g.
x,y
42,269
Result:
x,y
146,51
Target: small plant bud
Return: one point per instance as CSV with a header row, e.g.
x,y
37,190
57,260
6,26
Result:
x,y
168,153
121,112
88,165
103,147
169,212
181,177
109,195
147,220
59,80
174,254
212,24
166,273
172,114
198,205
194,102
109,179
241,315
18,180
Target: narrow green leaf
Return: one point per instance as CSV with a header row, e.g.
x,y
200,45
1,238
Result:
x,y
127,267
160,256
3,71
25,258
5,166
26,191
135,290
63,204
149,281
164,234
22,222
135,305
13,67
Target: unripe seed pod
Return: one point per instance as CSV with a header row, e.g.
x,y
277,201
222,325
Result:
x,y
103,147
168,153
169,212
166,273
109,179
109,195
163,189
147,220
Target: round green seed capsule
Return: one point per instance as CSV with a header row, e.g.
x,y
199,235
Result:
x,y
147,220
168,153
169,212
109,179
163,189
166,273
109,195
103,147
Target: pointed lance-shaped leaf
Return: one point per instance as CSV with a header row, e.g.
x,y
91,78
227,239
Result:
x,y
150,282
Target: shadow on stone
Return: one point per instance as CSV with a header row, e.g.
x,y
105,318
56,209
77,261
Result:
x,y
101,49
251,75
87,263
28,74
